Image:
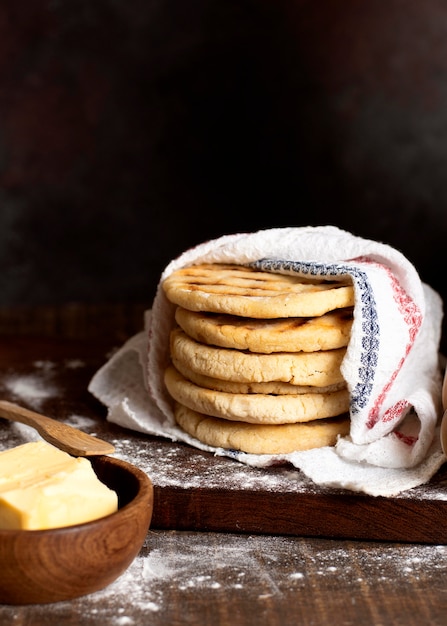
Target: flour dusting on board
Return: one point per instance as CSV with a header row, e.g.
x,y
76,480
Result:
x,y
81,422
259,567
33,389
166,465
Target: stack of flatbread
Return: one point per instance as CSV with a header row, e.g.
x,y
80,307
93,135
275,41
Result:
x,y
255,358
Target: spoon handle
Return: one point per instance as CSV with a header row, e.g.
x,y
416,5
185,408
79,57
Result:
x,y
61,435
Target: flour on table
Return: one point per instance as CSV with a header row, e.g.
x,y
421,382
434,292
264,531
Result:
x,y
74,364
162,464
44,365
50,365
33,389
24,433
262,568
250,565
81,422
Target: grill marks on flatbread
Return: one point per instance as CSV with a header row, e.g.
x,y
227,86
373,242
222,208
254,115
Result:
x,y
307,334
238,290
248,357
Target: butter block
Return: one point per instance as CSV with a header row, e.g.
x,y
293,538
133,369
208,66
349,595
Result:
x,y
43,487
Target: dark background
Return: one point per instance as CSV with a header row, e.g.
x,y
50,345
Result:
x,y
131,130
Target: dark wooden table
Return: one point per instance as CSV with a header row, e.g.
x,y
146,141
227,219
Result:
x,y
196,575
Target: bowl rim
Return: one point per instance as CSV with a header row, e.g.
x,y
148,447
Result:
x,y
145,491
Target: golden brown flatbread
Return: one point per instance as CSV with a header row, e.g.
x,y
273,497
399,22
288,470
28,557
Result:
x,y
308,334
244,291
256,408
275,388
255,359
320,369
260,439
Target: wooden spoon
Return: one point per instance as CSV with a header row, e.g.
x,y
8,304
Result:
x,y
63,436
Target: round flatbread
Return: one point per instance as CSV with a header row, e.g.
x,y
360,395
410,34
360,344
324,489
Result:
x,y
255,408
244,291
317,369
326,332
260,439
276,388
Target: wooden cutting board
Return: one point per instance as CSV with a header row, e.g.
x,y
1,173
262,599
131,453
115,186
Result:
x,y
195,490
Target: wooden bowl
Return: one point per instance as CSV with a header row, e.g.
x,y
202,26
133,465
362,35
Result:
x,y
42,566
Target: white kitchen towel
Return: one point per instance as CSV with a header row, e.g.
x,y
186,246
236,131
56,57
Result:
x,y
391,365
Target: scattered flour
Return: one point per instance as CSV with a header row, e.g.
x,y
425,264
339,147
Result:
x,y
81,422
36,387
33,389
74,363
161,461
262,568
50,365
45,365
25,433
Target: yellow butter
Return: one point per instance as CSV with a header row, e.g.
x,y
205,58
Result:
x,y
44,487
